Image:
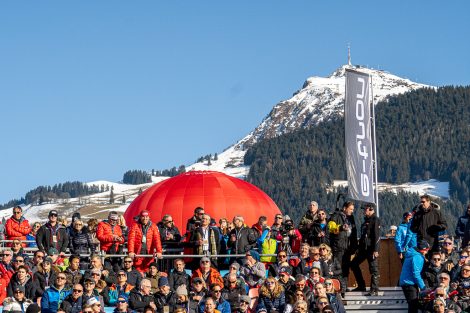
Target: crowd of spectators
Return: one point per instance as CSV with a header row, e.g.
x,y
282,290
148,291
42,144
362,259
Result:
x,y
277,268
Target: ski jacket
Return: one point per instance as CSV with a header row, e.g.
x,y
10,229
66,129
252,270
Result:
x,y
411,270
213,277
81,242
17,229
105,232
404,238
53,298
152,238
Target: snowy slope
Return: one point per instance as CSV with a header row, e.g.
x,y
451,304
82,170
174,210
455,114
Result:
x,y
92,206
320,98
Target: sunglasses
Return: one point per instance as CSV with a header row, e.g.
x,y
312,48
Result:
x,y
464,256
18,291
216,291
315,272
204,261
122,275
17,212
244,302
122,301
52,215
282,256
447,243
436,259
61,278
6,254
233,282
168,221
87,311
127,261
77,290
95,274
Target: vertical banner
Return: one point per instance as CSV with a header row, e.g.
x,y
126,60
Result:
x,y
359,158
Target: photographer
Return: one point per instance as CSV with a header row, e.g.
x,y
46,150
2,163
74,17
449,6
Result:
x,y
196,219
289,237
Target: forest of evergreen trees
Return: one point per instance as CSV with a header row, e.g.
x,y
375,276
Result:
x,y
65,190
136,177
420,135
170,172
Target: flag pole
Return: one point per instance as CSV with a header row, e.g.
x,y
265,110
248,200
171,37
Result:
x,y
374,147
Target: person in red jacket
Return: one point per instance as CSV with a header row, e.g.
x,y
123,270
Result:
x,y
109,233
144,238
17,227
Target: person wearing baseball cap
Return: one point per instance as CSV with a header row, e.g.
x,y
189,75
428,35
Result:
x,y
411,281
144,238
110,236
52,235
404,238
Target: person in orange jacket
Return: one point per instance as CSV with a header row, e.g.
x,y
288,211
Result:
x,y
207,273
144,238
109,233
17,227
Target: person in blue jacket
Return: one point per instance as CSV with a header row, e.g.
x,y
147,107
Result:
x,y
405,238
410,277
53,297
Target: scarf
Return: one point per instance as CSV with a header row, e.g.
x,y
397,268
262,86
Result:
x,y
212,243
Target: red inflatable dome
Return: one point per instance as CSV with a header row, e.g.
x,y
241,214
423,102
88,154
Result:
x,y
219,194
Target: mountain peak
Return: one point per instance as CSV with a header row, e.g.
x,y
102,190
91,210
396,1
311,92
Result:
x,y
319,99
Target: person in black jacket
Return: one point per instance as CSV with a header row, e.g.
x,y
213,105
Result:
x,y
343,238
178,276
52,235
73,302
463,227
165,297
428,222
139,298
369,246
242,239
22,278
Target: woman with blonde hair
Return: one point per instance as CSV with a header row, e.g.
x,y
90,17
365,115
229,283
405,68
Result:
x,y
272,297
301,307
333,265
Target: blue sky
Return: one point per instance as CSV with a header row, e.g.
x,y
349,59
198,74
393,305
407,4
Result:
x,y
90,89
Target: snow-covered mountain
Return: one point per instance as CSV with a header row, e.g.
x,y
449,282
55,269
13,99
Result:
x,y
319,99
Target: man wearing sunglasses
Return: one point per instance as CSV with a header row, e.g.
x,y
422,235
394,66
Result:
x,y
52,235
169,233
428,222
55,295
6,266
17,303
122,304
17,227
74,302
369,246
207,273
